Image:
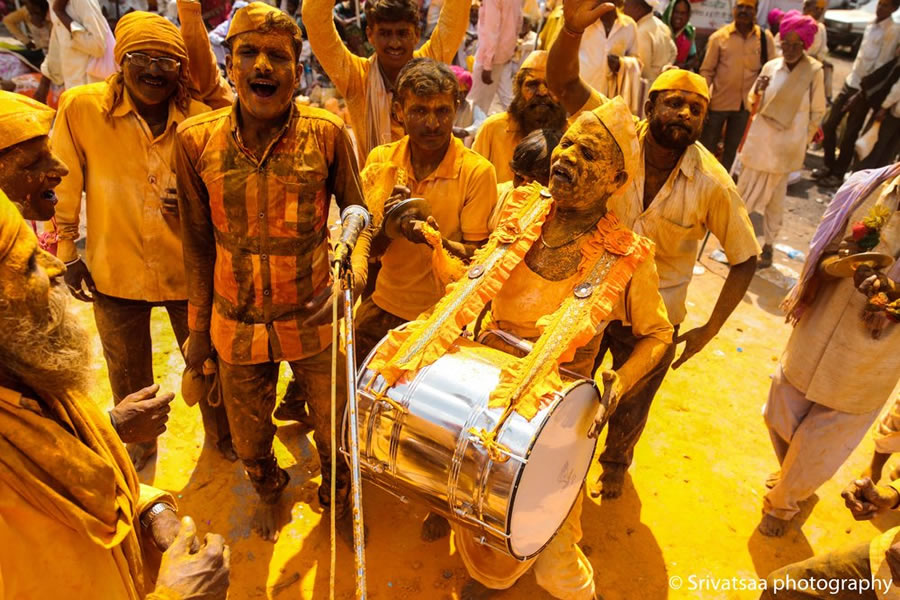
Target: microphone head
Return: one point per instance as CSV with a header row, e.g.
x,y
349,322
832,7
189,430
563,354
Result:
x,y
356,209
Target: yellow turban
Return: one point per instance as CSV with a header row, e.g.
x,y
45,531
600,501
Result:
x,y
536,61
22,119
141,31
253,16
679,79
12,226
619,121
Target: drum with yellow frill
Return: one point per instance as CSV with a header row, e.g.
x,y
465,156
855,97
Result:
x,y
428,438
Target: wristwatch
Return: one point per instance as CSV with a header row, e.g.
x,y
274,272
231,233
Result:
x,y
154,511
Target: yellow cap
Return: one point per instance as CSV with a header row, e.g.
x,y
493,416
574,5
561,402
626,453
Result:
x,y
253,16
536,61
619,121
22,119
679,79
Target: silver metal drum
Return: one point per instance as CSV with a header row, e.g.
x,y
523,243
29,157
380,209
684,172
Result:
x,y
427,452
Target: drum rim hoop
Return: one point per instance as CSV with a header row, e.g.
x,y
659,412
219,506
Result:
x,y
518,480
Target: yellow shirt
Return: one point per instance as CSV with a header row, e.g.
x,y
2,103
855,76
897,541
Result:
x,y
462,192
699,196
133,247
526,297
349,73
496,140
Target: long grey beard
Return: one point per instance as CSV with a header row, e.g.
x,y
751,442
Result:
x,y
52,356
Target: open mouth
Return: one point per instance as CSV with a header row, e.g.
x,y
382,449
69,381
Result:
x,y
152,81
561,174
394,52
264,88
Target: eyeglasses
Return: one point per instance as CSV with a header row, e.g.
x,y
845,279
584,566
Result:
x,y
143,61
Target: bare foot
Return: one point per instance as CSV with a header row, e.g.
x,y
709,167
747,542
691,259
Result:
x,y
268,520
773,479
771,526
140,454
226,449
434,528
472,590
610,483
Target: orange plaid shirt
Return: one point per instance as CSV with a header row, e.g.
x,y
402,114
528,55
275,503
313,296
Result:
x,y
255,232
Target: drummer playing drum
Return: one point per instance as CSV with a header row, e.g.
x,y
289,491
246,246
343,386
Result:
x,y
566,267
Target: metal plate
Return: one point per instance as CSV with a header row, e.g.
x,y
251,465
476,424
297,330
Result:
x,y
846,266
417,208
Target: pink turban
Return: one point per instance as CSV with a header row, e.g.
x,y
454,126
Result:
x,y
803,25
774,17
462,76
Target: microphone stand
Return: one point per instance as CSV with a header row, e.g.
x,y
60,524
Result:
x,y
344,274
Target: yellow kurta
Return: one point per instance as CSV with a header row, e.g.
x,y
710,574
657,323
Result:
x,y
52,546
133,246
496,140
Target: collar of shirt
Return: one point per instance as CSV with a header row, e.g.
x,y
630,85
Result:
x,y
126,106
599,27
234,116
731,28
449,167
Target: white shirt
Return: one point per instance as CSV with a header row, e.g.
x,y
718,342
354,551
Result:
x,y
656,48
879,45
760,151
596,46
69,54
892,101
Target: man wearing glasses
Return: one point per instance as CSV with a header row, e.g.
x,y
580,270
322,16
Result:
x,y
117,138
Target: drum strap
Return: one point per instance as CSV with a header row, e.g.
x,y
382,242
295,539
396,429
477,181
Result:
x,y
428,338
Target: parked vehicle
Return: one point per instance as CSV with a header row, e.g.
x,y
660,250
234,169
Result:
x,y
846,26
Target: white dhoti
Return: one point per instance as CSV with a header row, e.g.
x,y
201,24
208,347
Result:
x,y
764,193
561,568
819,440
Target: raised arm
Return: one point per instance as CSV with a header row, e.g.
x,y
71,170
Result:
x,y
563,76
207,84
344,68
451,28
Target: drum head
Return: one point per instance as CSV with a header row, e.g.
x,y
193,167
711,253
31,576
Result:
x,y
557,465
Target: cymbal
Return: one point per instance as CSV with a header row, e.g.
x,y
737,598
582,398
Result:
x,y
414,208
845,267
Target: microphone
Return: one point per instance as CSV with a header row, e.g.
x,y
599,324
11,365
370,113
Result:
x,y
354,220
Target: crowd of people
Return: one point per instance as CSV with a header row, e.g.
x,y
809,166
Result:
x,y
572,158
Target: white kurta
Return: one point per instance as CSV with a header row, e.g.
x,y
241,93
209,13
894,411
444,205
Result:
x,y
770,147
69,54
596,46
831,357
656,47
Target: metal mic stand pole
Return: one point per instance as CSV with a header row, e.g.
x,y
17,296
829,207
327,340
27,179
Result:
x,y
359,543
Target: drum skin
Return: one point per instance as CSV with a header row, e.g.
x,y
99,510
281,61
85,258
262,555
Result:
x,y
428,453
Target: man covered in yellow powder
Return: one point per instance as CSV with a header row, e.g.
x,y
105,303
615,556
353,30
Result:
x,y
117,138
458,184
254,184
74,520
557,269
369,84
678,193
533,107
29,174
